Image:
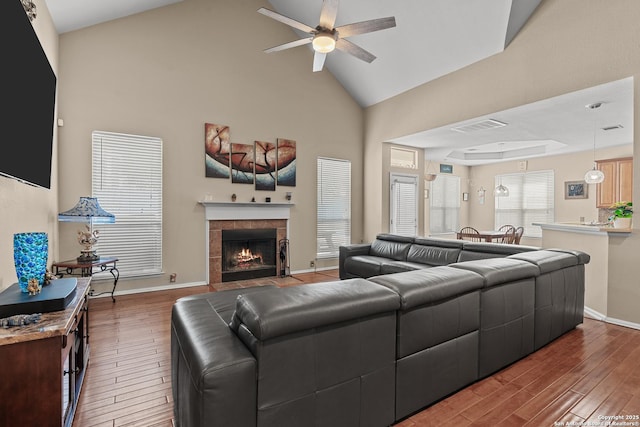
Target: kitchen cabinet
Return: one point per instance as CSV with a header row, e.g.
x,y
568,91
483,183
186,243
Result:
x,y
618,181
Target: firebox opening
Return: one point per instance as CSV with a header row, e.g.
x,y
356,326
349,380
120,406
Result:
x,y
248,254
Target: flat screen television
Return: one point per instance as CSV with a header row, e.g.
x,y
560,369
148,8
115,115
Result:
x,y
28,93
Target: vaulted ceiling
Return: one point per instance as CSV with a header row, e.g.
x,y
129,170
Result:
x,y
432,38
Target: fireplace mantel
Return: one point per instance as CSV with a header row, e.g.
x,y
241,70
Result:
x,y
246,210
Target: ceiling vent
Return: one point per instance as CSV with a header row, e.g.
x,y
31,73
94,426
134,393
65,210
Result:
x,y
481,125
613,127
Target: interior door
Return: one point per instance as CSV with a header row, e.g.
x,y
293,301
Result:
x,y
404,204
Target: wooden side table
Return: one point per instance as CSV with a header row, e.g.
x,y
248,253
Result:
x,y
87,269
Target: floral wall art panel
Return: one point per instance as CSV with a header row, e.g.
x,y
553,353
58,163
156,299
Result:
x,y
265,165
217,149
242,161
286,162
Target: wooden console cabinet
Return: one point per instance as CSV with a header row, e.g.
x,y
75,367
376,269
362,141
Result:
x,y
43,365
618,182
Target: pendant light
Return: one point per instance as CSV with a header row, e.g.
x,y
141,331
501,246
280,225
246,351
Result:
x,y
501,190
594,176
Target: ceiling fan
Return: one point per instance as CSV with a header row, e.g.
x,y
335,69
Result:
x,y
325,38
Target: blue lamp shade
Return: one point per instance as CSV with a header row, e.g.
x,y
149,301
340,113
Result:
x,y
30,252
87,210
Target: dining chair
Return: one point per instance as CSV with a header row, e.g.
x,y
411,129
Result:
x,y
469,233
509,235
518,235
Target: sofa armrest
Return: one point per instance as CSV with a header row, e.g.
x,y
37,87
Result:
x,y
349,251
213,374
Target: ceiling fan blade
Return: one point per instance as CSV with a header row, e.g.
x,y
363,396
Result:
x,y
328,13
289,45
366,26
286,20
355,50
318,61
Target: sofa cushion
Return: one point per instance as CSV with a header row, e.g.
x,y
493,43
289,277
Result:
x,y
391,267
287,310
548,260
496,271
431,285
432,255
364,265
224,302
483,250
392,249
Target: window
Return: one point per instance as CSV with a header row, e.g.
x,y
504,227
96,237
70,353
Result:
x,y
444,204
127,180
404,158
530,200
334,206
404,204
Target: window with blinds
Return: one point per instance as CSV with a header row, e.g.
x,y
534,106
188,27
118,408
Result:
x,y
127,180
404,205
444,204
334,206
530,200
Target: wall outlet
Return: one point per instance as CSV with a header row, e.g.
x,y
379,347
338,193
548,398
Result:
x,y
172,277
312,263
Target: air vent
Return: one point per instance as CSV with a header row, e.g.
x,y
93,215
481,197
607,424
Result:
x,y
613,127
481,125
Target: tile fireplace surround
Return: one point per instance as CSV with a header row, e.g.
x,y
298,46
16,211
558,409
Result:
x,y
228,216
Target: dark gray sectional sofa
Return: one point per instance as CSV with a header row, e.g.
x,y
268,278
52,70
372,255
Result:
x,y
426,318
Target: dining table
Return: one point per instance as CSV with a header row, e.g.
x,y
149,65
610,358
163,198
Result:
x,y
486,235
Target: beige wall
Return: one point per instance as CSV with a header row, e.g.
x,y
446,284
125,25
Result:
x,y
24,208
566,46
168,71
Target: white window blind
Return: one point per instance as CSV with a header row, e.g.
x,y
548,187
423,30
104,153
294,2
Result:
x,y
334,206
444,204
404,204
127,180
530,200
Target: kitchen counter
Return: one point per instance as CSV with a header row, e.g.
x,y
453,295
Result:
x,y
577,227
595,240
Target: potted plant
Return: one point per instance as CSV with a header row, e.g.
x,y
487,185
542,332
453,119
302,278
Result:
x,y
621,214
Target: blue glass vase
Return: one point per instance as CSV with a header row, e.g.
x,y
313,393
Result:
x,y
30,253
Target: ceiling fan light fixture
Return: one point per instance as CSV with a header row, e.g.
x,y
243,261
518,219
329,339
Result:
x,y
324,42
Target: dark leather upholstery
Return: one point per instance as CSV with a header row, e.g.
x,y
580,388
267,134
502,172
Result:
x,y
368,352
325,353
389,254
437,338
507,315
559,299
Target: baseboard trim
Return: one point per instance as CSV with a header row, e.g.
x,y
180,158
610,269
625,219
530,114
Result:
x,y
593,314
151,289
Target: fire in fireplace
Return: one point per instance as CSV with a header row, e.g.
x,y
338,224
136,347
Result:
x,y
248,254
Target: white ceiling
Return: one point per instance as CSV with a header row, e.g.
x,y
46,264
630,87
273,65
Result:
x,y
431,38
559,125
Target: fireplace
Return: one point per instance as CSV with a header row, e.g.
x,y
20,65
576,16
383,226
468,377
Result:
x,y
248,254
223,216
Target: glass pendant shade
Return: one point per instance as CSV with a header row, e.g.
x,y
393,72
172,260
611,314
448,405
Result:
x,y
594,176
501,191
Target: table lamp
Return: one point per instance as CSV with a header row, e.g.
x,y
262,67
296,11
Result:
x,y
87,210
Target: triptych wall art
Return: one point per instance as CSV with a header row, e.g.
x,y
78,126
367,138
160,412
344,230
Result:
x,y
263,164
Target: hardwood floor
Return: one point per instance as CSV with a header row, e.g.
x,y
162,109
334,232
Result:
x,y
588,373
